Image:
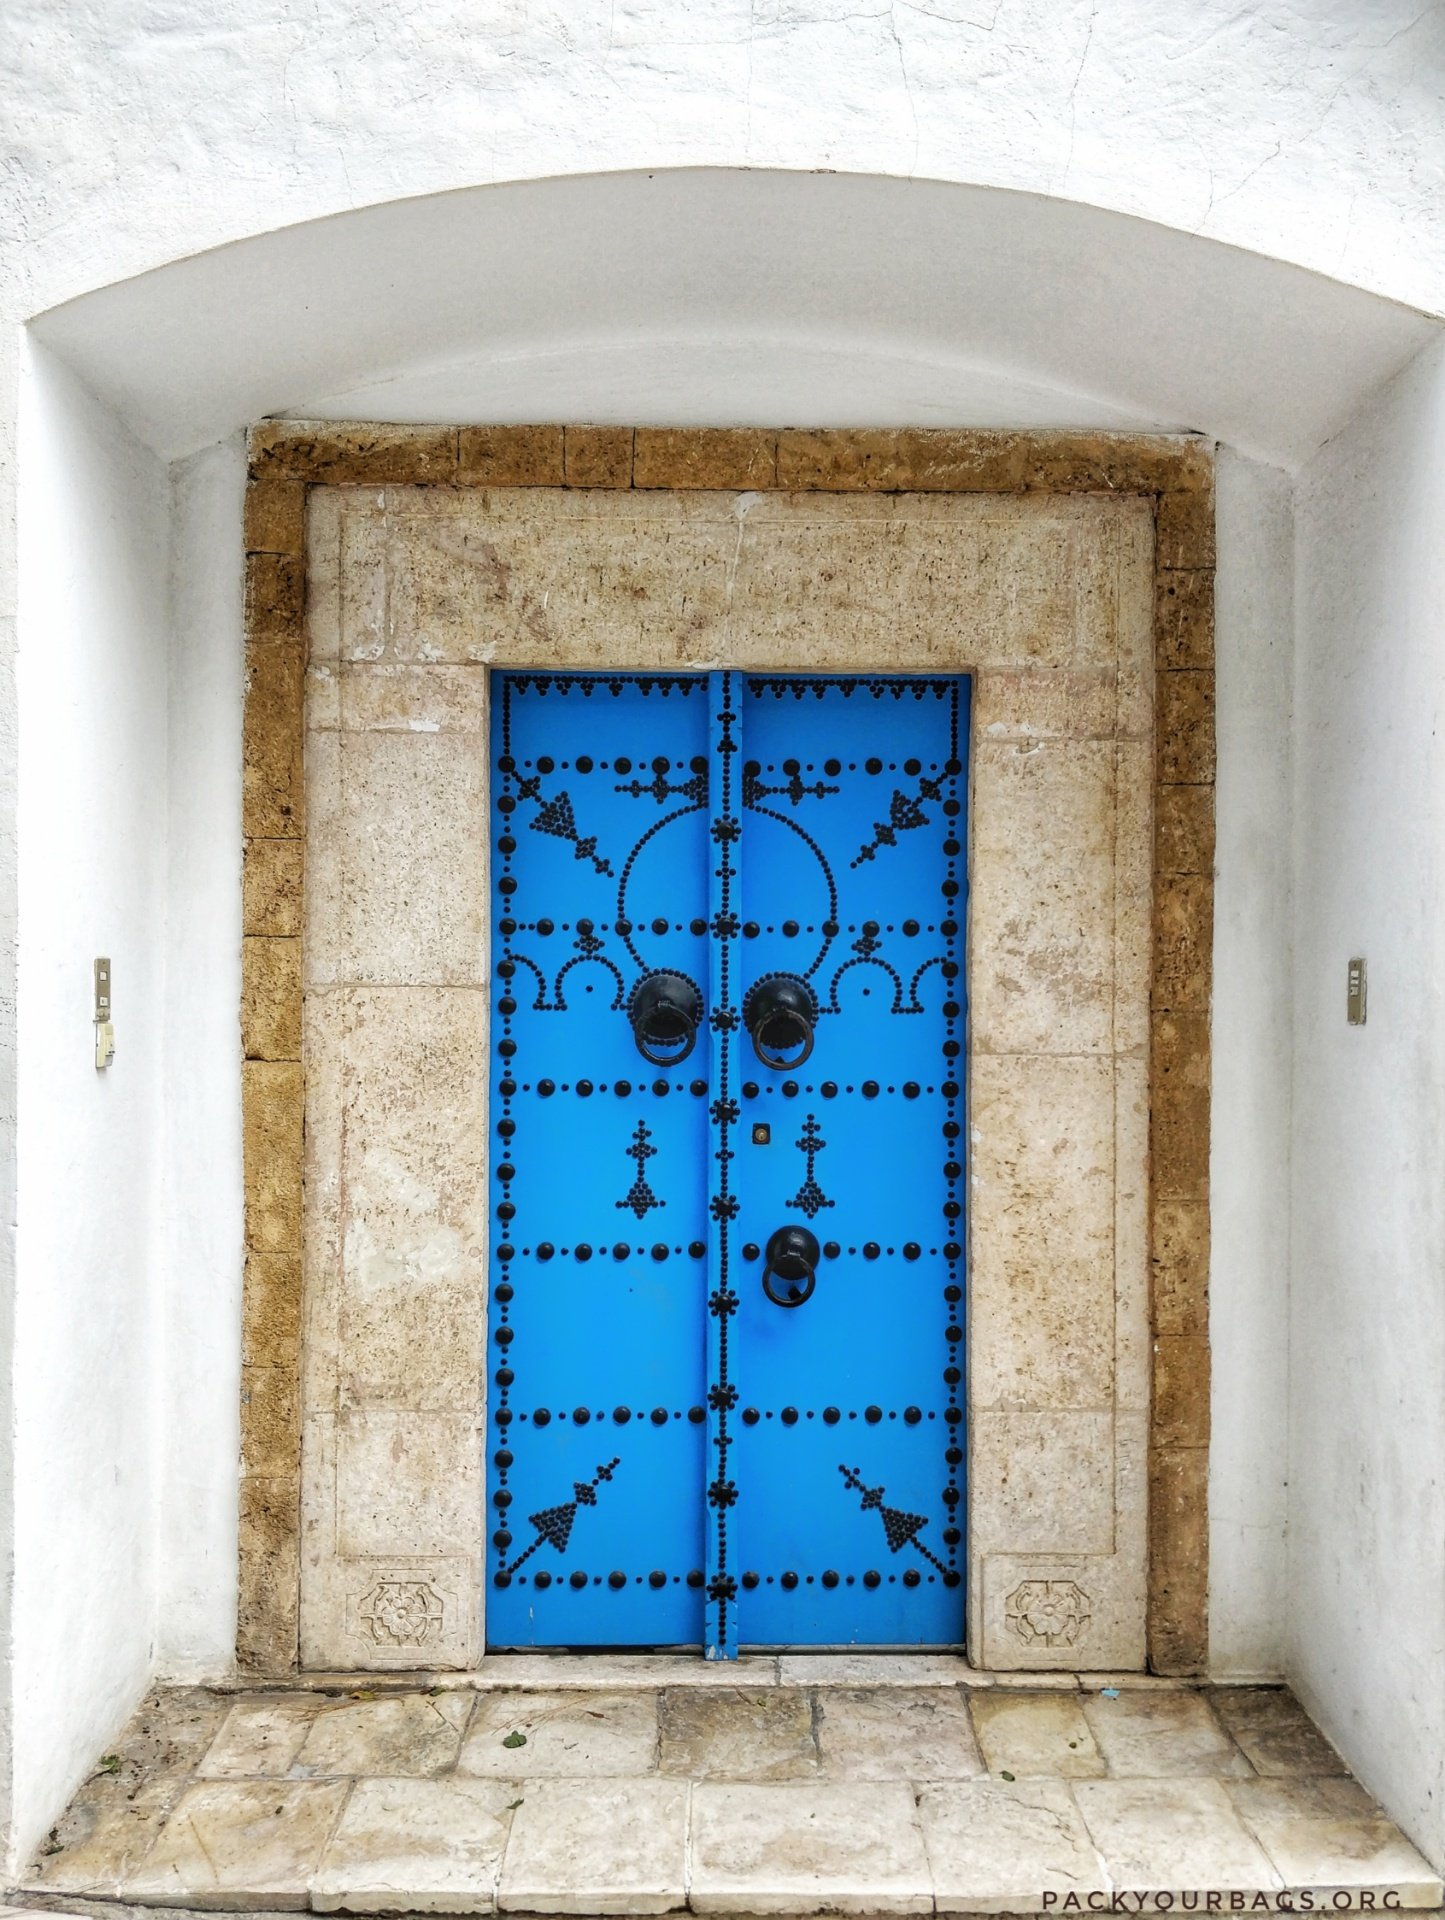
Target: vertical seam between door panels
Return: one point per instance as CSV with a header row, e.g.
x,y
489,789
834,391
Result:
x,y
721,1634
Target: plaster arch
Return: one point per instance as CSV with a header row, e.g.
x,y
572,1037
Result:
x,y
735,296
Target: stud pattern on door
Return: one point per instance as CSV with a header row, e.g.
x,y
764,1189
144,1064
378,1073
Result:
x,y
726,1403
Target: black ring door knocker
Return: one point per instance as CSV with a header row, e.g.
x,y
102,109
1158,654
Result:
x,y
780,1012
665,1012
791,1270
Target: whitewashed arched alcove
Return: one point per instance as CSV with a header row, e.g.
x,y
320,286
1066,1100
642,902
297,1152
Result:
x,y
707,296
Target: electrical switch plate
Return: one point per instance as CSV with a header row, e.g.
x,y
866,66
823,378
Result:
x,y
104,1027
1355,993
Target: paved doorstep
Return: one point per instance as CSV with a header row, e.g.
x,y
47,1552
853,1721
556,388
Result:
x,y
786,1786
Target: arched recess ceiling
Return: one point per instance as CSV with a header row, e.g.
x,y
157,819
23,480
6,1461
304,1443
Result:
x,y
736,297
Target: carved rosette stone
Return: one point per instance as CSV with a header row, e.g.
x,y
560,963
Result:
x,y
402,1613
1048,1613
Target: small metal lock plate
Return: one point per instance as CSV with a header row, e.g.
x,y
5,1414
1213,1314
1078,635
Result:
x,y
762,1133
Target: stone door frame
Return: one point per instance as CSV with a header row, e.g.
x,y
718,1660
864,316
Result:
x,y
1172,474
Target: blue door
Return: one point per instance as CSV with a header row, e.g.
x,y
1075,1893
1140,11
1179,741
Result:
x,y
727,1396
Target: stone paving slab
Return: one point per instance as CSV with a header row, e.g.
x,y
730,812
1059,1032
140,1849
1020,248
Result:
x,y
633,1786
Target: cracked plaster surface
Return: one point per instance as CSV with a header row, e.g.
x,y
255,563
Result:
x,y
135,136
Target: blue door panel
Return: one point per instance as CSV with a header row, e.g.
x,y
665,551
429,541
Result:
x,y
851,1450
596,1442
674,1459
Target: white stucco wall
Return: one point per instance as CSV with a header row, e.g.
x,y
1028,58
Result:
x,y
92,697
1311,133
1250,1146
200,1279
1366,1612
